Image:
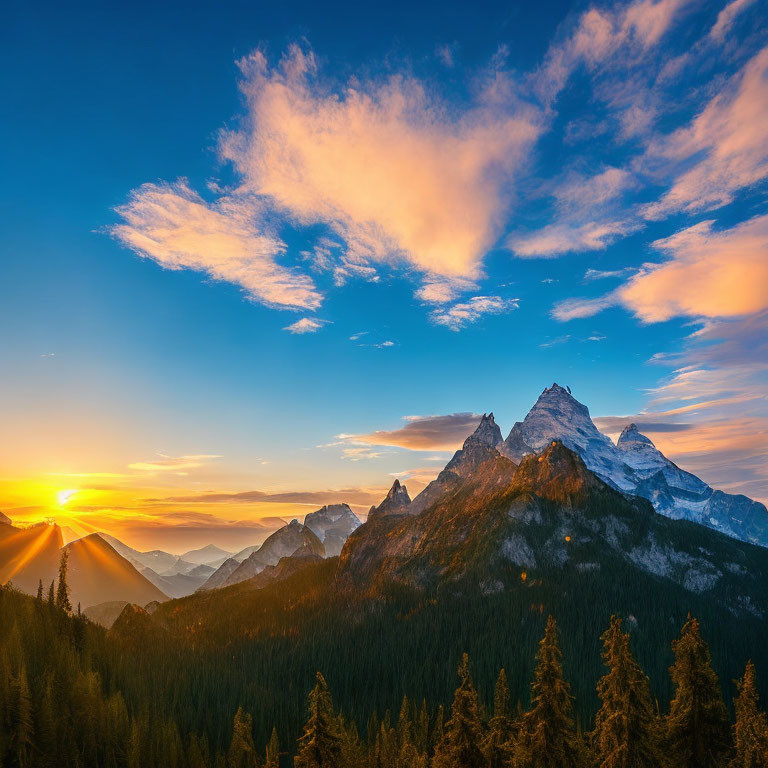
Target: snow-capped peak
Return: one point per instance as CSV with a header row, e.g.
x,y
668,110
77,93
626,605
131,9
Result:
x,y
631,434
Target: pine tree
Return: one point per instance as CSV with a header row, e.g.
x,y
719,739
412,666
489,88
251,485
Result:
x,y
750,731
547,737
320,744
40,592
460,746
627,731
272,756
498,743
697,727
21,718
62,591
51,595
242,753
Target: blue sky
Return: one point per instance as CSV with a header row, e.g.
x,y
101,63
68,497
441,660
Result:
x,y
240,239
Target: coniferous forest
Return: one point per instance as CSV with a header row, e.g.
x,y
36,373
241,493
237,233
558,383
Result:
x,y
72,694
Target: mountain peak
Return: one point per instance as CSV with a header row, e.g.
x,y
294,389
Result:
x,y
631,434
487,432
396,502
398,492
5,519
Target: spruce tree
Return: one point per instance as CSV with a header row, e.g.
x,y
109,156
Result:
x,y
627,731
272,756
62,590
697,727
51,594
750,731
21,718
320,744
242,753
40,592
547,736
462,739
499,743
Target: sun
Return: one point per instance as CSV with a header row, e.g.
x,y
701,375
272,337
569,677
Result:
x,y
64,496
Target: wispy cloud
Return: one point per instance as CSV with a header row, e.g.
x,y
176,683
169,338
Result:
x,y
727,18
305,325
176,228
725,142
463,313
173,463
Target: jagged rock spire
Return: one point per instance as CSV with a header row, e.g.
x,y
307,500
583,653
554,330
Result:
x,y
396,502
487,432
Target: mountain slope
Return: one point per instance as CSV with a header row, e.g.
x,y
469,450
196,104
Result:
x,y
99,574
634,466
483,444
284,542
332,524
505,523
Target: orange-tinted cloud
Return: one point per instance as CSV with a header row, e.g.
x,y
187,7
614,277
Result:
x,y
176,228
424,433
729,135
711,274
396,175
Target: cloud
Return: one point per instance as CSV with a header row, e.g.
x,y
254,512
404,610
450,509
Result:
x,y
305,325
424,433
173,463
463,313
574,309
588,216
597,274
433,178
176,228
726,143
556,239
727,17
601,35
354,496
711,274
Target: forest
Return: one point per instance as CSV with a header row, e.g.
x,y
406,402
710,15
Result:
x,y
72,694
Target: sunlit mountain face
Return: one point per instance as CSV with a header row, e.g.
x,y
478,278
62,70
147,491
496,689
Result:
x,y
345,345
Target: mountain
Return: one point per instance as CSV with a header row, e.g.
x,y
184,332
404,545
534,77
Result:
x,y
207,555
503,524
29,554
635,466
155,559
332,524
99,574
284,542
396,502
4,519
179,584
483,444
220,576
105,614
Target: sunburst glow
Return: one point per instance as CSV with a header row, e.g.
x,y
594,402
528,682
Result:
x,y
64,496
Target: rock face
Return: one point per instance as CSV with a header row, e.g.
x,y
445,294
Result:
x,y
635,466
396,502
332,524
503,523
282,543
220,576
5,520
483,444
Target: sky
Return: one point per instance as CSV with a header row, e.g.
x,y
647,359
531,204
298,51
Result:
x,y
261,257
